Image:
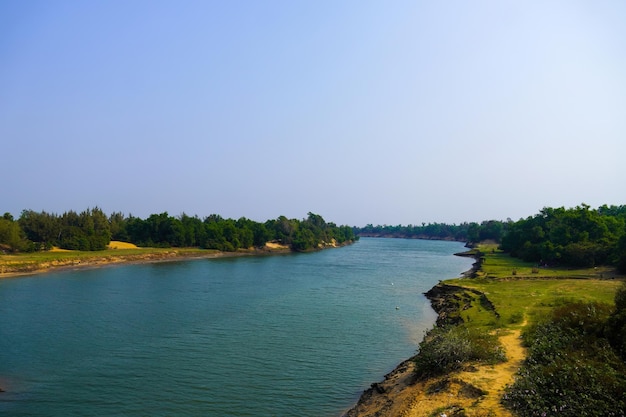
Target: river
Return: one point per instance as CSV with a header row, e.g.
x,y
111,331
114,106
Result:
x,y
285,335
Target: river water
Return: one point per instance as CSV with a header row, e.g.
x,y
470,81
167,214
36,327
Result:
x,y
287,335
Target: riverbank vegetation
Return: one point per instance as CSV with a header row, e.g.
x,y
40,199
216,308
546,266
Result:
x,y
92,230
573,327
573,368
464,232
581,237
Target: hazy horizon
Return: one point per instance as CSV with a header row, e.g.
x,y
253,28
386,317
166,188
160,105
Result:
x,y
363,112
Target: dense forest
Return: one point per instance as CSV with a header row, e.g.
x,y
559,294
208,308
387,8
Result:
x,y
578,236
92,230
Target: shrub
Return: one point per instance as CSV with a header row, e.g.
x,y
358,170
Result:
x,y
449,348
616,324
571,370
516,317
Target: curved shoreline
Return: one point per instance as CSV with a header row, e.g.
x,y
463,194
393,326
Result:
x,y
110,258
389,396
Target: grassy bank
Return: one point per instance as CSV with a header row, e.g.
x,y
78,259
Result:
x,y
480,353
545,306
38,262
522,292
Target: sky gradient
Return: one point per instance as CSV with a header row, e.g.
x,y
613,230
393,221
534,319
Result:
x,y
396,112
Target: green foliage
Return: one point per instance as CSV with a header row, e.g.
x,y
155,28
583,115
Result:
x,y
580,237
570,369
11,235
92,230
42,228
88,230
466,232
620,254
616,324
450,348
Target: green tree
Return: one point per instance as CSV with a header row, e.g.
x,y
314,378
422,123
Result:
x,y
42,229
303,240
117,226
11,235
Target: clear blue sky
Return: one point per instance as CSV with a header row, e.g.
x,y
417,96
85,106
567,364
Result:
x,y
383,112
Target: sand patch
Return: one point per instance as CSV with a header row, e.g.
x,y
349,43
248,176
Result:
x,y
275,245
115,244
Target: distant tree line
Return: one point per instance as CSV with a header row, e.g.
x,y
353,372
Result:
x,y
93,230
464,232
579,236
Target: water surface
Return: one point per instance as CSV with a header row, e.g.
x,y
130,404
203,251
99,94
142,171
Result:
x,y
289,335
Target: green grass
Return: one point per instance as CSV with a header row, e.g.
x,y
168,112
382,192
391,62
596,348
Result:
x,y
498,264
521,291
522,300
27,262
563,363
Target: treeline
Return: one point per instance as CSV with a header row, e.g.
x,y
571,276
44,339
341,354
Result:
x,y
93,230
464,232
579,236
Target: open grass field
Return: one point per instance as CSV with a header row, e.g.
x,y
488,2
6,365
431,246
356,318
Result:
x,y
523,292
527,300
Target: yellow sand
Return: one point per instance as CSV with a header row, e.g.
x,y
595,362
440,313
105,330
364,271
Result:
x,y
274,245
115,244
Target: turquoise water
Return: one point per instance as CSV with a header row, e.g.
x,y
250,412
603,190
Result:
x,y
289,335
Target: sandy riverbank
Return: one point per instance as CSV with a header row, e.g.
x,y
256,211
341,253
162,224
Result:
x,y
14,266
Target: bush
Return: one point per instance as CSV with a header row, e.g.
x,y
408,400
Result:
x,y
447,349
616,324
571,370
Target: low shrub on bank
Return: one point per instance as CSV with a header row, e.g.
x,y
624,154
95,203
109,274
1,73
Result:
x,y
571,368
450,348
